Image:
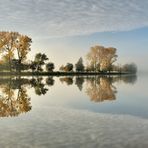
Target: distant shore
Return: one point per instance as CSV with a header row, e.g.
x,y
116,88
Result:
x,y
57,73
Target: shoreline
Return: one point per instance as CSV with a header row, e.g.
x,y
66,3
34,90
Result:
x,y
56,73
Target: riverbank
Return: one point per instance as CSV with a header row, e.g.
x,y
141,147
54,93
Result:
x,y
57,73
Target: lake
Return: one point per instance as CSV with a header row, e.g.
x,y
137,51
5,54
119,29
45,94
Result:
x,y
82,111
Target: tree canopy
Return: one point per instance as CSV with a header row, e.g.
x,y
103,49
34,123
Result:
x,y
101,58
79,65
14,48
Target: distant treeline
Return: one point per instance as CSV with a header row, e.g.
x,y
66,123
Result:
x,y
14,48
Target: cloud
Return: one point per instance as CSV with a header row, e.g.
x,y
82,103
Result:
x,y
72,17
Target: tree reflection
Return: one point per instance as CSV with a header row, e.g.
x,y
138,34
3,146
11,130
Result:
x,y
14,99
23,100
100,89
39,86
13,102
67,80
50,81
128,79
79,82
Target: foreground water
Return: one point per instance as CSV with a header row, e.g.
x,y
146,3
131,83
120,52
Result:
x,y
74,112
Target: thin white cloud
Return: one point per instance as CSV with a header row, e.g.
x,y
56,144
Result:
x,y
72,17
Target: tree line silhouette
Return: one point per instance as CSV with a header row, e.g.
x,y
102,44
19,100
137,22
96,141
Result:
x,y
14,48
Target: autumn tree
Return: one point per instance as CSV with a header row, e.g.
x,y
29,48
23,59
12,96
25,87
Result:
x,y
11,43
93,57
7,46
101,58
61,68
79,65
67,68
107,58
22,47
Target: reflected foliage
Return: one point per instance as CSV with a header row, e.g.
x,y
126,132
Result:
x,y
39,86
50,81
79,82
13,101
14,98
67,80
128,79
100,89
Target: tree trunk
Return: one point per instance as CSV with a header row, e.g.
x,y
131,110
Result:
x,y
10,64
19,66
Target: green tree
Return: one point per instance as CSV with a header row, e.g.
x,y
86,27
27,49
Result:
x,y
50,67
79,65
40,61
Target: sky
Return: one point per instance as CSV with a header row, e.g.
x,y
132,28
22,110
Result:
x,y
66,29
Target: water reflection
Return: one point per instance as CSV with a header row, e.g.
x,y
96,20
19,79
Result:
x,y
100,89
14,99
79,82
67,80
13,103
39,86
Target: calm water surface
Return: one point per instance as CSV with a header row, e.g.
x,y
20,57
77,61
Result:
x,y
116,95
74,111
